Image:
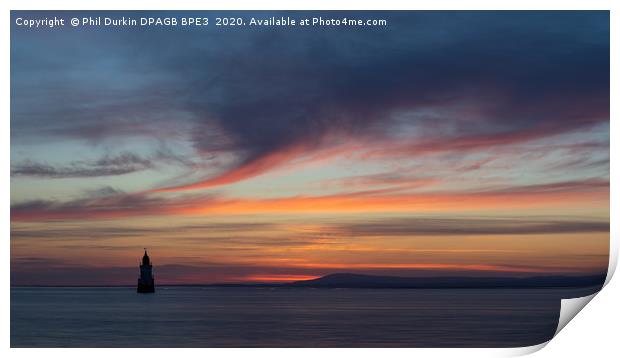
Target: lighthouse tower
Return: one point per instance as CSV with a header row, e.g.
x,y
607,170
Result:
x,y
146,282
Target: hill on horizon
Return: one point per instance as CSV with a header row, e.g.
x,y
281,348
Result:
x,y
351,280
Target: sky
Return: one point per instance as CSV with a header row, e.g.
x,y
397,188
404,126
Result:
x,y
443,144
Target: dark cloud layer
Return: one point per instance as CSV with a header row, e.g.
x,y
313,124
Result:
x,y
472,226
115,205
113,232
462,80
124,163
406,226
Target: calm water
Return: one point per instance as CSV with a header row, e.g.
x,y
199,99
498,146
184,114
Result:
x,y
284,317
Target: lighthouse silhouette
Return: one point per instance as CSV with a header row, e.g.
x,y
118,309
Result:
x,y
146,282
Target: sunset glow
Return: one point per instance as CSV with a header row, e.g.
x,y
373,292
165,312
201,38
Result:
x,y
439,150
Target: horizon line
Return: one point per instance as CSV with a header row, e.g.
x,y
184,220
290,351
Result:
x,y
283,283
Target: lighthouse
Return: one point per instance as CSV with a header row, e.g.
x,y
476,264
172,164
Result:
x,y
146,282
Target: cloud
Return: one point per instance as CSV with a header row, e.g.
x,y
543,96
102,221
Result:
x,y
586,193
430,81
244,171
471,226
108,206
511,97
123,163
397,180
117,231
586,185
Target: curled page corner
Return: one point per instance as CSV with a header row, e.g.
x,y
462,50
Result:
x,y
569,309
613,261
523,351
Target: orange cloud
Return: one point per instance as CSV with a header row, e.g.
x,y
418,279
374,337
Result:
x,y
388,201
278,278
247,170
300,154
585,194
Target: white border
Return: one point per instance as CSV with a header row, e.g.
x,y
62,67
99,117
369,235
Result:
x,y
597,324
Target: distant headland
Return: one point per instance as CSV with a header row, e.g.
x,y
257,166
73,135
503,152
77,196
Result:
x,y
351,280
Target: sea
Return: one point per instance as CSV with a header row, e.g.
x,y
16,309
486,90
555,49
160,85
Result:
x,y
197,316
